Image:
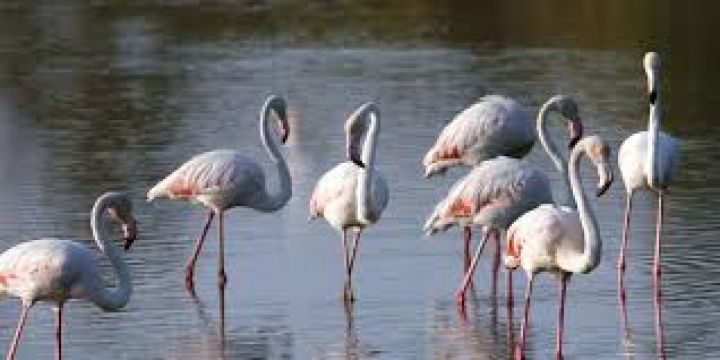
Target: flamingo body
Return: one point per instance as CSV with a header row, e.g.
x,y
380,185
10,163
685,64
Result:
x,y
495,125
217,179
335,200
632,159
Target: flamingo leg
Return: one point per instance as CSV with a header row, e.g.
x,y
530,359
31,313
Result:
x,y
460,293
561,315
520,350
58,331
621,265
221,277
18,330
346,262
355,244
190,263
496,265
656,277
467,237
510,332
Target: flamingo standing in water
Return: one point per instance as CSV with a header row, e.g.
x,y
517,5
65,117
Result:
x,y
57,270
495,126
223,179
647,161
499,190
353,194
560,239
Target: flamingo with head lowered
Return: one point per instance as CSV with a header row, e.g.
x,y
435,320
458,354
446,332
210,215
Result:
x,y
223,179
353,194
560,239
57,270
497,126
648,160
499,190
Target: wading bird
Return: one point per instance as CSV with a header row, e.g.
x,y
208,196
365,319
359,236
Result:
x,y
495,126
499,190
223,179
560,239
647,161
353,194
58,270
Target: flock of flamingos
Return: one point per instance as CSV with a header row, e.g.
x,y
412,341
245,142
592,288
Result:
x,y
500,193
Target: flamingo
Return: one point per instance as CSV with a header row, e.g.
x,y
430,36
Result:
x,y
560,239
353,194
499,190
58,270
648,161
494,126
223,179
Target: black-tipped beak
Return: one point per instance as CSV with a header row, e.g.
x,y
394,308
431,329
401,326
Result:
x,y
601,191
357,161
652,97
285,136
576,131
129,233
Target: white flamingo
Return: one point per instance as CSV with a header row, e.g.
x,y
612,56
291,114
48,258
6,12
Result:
x,y
223,179
648,161
353,194
499,190
58,270
560,239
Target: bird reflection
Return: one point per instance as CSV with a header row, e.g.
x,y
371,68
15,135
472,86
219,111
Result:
x,y
474,335
206,319
352,349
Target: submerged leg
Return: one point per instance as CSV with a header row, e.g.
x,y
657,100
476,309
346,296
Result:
x,y
460,294
660,338
621,265
561,315
190,263
18,331
520,350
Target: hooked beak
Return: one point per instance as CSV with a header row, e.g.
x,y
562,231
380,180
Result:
x,y
652,97
606,179
575,128
129,232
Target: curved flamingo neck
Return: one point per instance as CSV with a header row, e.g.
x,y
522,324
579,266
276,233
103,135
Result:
x,y
369,113
109,299
551,148
277,200
653,131
590,256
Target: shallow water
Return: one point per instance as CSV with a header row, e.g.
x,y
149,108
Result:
x,y
114,97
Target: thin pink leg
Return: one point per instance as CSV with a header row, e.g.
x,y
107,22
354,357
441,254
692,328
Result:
x,y
510,332
467,236
460,294
346,262
621,266
18,331
355,245
561,316
190,263
520,350
656,283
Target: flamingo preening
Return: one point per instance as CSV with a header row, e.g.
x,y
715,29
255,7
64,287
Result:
x,y
647,161
499,190
57,270
223,179
560,239
353,194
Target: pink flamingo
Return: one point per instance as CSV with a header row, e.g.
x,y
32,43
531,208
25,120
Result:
x,y
57,270
223,179
560,239
499,190
496,126
353,194
648,161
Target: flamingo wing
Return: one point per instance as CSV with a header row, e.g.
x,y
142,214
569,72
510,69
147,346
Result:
x,y
494,126
336,185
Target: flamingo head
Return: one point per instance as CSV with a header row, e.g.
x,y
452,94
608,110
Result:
x,y
568,108
120,209
652,64
599,153
356,128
